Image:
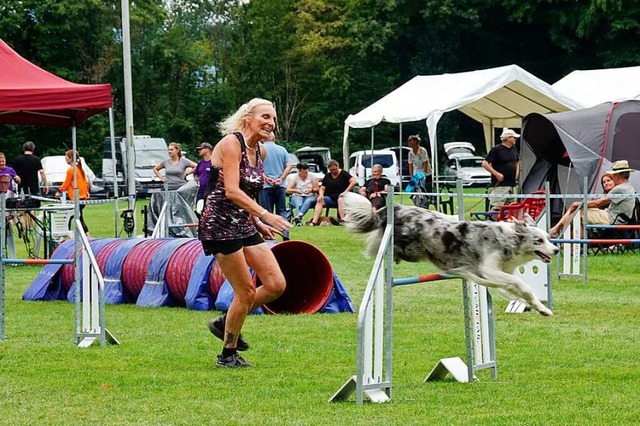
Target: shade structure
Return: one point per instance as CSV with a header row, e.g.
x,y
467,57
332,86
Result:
x,y
31,95
495,97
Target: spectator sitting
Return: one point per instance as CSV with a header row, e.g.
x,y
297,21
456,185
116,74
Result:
x,y
334,183
302,187
615,207
607,183
375,188
5,185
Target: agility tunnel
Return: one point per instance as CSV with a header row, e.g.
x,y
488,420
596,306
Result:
x,y
155,272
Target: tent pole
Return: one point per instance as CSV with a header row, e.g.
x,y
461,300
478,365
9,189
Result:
x,y
113,170
400,159
128,107
345,147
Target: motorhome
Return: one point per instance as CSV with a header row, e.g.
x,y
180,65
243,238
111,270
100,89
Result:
x,y
148,151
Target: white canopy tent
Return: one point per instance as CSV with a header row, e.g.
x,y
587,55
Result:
x,y
496,97
593,87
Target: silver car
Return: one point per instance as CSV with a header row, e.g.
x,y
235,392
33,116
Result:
x,y
465,164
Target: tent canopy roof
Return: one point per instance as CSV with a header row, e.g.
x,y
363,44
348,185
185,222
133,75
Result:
x,y
593,87
31,95
500,95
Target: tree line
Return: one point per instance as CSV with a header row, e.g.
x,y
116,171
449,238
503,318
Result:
x,y
195,61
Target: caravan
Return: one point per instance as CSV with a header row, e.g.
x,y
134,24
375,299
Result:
x,y
147,153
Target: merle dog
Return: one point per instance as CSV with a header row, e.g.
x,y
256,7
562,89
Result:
x,y
482,252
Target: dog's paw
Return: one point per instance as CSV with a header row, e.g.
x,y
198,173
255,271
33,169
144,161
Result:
x,y
543,310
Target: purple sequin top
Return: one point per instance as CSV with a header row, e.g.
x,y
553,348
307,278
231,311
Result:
x,y
221,218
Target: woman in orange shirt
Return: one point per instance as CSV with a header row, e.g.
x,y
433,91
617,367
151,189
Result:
x,y
83,183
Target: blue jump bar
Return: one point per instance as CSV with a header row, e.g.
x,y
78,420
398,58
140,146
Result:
x,y
38,261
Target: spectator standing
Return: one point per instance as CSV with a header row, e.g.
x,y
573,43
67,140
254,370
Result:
x,y
27,165
503,162
276,169
6,170
418,156
202,173
334,183
302,187
375,187
176,168
83,184
231,224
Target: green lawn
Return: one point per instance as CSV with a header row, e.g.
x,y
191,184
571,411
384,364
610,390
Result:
x,y
578,367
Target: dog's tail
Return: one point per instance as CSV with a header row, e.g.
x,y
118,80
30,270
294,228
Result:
x,y
360,215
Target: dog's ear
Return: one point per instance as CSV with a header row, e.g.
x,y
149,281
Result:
x,y
521,227
529,220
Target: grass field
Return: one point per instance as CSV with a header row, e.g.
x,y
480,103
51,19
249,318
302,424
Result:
x,y
579,367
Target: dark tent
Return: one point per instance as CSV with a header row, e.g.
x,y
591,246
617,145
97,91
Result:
x,y
564,148
31,95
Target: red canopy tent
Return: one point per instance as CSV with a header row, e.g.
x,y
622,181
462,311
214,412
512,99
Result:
x,y
31,95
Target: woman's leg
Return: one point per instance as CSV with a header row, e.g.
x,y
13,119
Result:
x,y
296,202
82,222
261,259
309,202
234,267
318,210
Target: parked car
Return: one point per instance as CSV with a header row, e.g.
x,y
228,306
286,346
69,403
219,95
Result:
x,y
147,152
360,163
462,162
317,155
402,154
55,168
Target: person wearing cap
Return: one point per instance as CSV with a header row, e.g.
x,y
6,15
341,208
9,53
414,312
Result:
x,y
418,156
202,173
28,166
302,188
606,210
503,162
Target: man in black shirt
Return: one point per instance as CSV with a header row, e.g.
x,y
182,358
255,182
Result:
x,y
27,166
334,183
503,162
375,189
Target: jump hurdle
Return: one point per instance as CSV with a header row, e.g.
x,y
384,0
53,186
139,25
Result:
x,y
89,300
374,353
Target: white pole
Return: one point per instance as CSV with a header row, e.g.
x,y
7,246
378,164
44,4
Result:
x,y
128,106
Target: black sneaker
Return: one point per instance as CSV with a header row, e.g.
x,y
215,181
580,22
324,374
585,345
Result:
x,y
335,221
216,327
232,361
298,221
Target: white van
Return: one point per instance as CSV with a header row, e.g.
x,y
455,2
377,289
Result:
x,y
148,152
360,163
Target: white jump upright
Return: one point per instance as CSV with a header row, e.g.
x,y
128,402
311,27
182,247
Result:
x,y
374,357
90,300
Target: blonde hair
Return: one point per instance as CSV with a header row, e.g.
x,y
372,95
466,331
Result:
x,y
178,148
235,121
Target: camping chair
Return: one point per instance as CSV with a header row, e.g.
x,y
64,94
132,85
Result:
x,y
531,206
58,223
421,183
608,233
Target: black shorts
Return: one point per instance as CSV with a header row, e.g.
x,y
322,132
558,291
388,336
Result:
x,y
230,246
